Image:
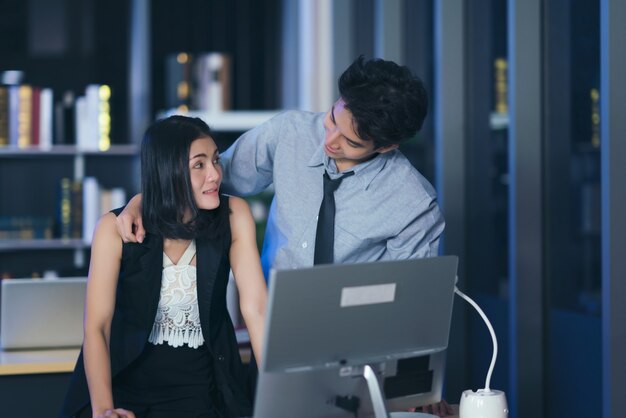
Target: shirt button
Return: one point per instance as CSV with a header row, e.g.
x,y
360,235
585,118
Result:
x,y
220,357
305,244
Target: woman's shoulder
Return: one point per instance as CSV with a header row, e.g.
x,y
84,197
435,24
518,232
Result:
x,y
107,226
238,208
237,203
240,214
106,240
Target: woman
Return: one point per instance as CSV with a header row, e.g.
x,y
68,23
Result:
x,y
159,341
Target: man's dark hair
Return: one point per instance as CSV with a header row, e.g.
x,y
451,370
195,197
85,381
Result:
x,y
165,182
388,103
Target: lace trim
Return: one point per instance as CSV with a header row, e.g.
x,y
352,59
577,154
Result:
x,y
175,336
177,320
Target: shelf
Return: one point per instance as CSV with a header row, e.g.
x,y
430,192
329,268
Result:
x,y
231,121
67,150
499,121
42,244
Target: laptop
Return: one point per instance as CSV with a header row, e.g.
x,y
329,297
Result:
x,y
325,323
39,314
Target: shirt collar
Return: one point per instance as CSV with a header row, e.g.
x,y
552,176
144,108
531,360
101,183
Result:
x,y
365,172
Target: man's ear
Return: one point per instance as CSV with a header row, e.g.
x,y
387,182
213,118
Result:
x,y
386,148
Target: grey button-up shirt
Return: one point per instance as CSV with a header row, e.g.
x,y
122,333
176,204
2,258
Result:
x,y
387,210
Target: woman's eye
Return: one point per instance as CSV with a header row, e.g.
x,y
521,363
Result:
x,y
217,160
198,165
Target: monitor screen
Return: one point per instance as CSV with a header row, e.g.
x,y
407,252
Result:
x,y
325,323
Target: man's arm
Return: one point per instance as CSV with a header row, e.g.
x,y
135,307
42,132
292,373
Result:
x,y
248,164
420,234
247,169
129,223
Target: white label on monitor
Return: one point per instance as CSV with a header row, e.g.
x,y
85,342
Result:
x,y
368,295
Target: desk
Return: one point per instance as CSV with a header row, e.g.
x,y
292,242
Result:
x,y
33,383
23,362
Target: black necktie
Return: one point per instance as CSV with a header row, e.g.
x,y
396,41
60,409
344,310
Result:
x,y
325,237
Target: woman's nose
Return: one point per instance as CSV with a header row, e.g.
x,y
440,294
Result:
x,y
213,173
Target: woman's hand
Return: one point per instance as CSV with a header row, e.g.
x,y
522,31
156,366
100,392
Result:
x,y
116,413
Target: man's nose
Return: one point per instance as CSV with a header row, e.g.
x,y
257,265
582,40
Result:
x,y
331,136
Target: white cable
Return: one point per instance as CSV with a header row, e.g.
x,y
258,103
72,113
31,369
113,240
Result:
x,y
491,331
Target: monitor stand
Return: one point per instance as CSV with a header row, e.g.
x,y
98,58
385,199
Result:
x,y
378,402
376,395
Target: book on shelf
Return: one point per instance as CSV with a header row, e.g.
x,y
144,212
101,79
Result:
x,y
104,117
25,227
501,99
24,116
25,119
81,203
4,116
29,118
46,105
76,211
64,211
199,81
34,117
81,124
96,202
91,207
178,80
594,95
64,125
87,130
92,119
13,114
212,82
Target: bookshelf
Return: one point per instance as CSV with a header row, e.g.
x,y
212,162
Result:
x,y
234,121
8,245
66,150
30,193
29,187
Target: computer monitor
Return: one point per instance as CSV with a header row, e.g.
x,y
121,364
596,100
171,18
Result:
x,y
37,314
326,323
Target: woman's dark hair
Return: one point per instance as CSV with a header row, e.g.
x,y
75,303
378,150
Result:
x,y
388,103
165,182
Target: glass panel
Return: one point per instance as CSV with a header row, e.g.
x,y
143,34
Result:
x,y
418,55
487,186
572,208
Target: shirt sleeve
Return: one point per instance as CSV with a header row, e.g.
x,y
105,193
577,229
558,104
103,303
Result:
x,y
420,234
248,164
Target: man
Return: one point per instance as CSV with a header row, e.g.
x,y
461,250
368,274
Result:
x,y
385,210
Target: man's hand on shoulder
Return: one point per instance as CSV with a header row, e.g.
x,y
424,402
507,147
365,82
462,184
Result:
x,y
129,223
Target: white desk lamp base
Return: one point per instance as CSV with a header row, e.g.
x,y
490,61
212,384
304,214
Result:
x,y
483,404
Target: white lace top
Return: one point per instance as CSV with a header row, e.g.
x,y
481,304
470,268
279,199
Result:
x,y
178,318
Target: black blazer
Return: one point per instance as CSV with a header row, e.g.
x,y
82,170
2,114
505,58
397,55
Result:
x,y
137,298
